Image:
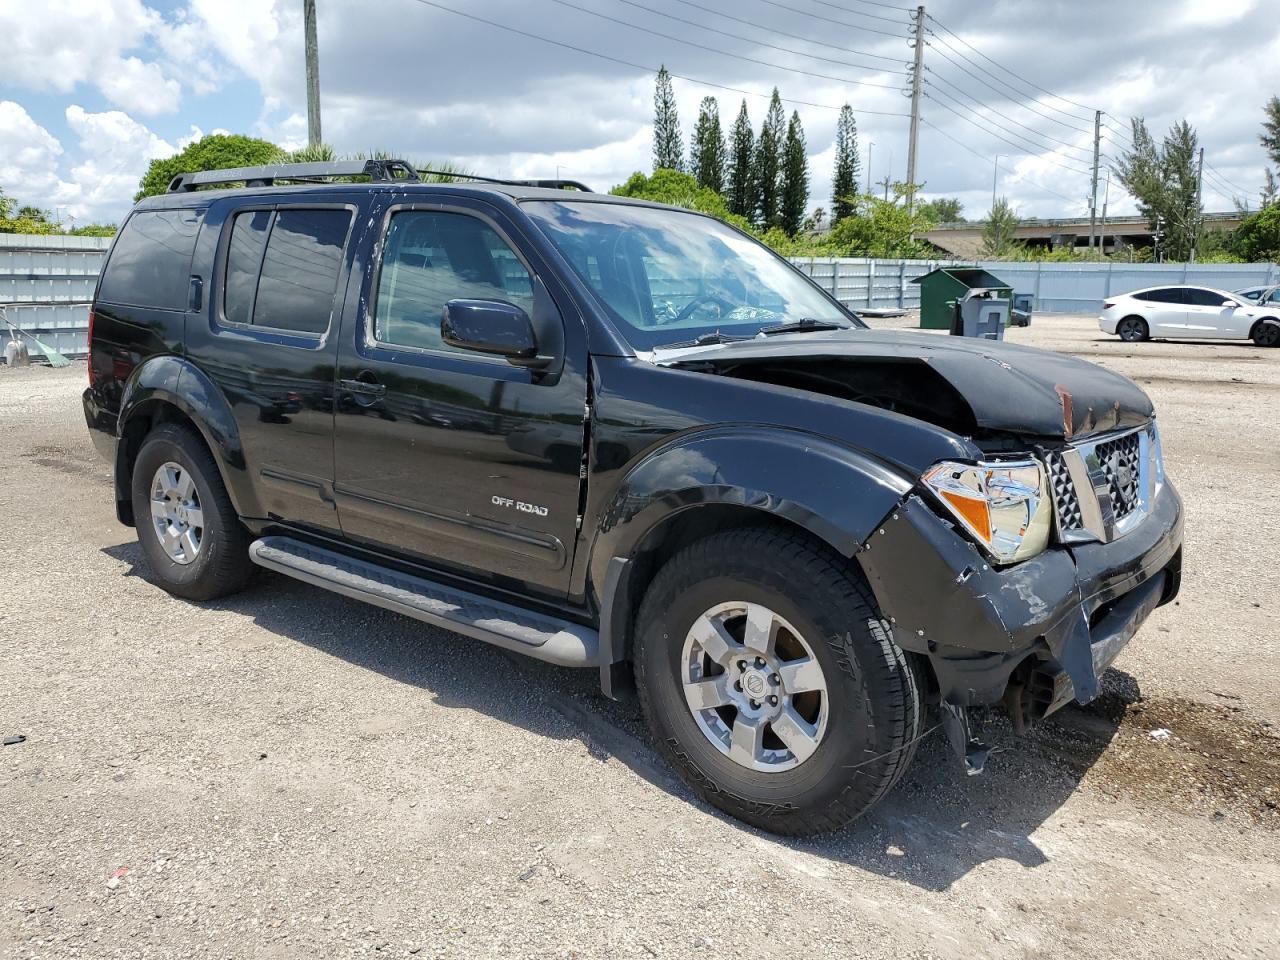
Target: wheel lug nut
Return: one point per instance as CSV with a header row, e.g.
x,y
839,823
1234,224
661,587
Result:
x,y
737,684
773,701
775,679
759,662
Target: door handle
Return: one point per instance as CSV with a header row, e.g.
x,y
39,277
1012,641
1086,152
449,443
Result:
x,y
364,391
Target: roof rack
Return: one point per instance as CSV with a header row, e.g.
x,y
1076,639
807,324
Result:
x,y
379,171
554,184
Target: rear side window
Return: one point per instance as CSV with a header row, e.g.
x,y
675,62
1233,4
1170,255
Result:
x,y
282,268
150,265
1164,295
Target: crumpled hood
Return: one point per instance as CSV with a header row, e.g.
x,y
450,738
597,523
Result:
x,y
1008,387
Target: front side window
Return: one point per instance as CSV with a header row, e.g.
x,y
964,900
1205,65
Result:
x,y
1274,296
282,268
1206,298
430,258
666,276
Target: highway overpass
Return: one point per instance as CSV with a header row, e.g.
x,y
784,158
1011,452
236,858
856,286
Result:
x,y
963,240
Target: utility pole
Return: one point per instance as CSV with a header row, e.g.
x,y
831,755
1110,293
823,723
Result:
x,y
870,144
917,82
1199,218
313,73
885,183
995,176
1102,236
1093,192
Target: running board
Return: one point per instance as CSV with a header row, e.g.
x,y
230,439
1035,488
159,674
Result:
x,y
502,624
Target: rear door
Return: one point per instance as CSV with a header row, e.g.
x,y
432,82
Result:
x,y
454,458
268,342
1165,311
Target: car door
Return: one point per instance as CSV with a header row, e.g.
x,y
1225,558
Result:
x,y
266,338
1207,317
451,457
1165,311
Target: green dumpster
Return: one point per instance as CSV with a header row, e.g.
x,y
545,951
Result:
x,y
939,289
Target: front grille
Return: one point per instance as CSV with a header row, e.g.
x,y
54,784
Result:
x,y
1121,462
1065,499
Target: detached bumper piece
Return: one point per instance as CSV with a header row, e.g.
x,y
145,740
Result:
x,y
1033,636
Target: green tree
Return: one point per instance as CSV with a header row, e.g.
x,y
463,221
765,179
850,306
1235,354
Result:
x,y
1163,179
998,230
668,144
767,168
944,210
741,153
24,218
844,183
707,152
1257,239
795,177
1270,189
215,151
881,228
1270,135
679,190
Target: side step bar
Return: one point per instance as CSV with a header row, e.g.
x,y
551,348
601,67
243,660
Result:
x,y
523,631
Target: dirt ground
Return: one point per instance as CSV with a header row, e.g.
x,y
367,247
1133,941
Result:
x,y
289,773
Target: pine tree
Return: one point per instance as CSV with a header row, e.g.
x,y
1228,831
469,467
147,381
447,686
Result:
x,y
795,177
1270,136
707,152
844,184
767,168
741,151
1163,181
668,144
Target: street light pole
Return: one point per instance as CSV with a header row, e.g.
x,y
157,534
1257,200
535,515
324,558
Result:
x,y
995,176
870,144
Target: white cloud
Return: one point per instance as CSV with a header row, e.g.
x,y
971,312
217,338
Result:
x,y
141,87
115,150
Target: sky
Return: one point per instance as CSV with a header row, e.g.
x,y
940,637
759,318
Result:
x,y
92,90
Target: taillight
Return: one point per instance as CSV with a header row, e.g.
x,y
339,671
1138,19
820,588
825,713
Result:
x,y
1107,306
90,350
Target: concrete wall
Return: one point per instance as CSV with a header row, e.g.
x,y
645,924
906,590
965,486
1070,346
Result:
x,y
46,284
1056,287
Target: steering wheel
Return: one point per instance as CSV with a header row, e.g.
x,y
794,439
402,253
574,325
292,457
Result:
x,y
696,302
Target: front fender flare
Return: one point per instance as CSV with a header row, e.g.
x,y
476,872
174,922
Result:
x,y
837,493
178,382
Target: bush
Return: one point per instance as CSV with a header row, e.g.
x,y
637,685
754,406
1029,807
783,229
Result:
x,y
216,151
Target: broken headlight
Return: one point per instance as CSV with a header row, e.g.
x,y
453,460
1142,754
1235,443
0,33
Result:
x,y
1003,504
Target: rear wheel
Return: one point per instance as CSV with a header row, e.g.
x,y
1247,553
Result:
x,y
1266,333
770,681
188,529
1133,330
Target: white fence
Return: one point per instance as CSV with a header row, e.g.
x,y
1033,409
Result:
x,y
46,283
1054,287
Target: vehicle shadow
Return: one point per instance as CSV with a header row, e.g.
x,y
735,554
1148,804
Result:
x,y
931,830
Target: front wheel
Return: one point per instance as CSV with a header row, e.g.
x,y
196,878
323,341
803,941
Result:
x,y
1133,330
1266,333
771,683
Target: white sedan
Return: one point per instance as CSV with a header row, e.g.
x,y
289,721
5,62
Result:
x,y
1187,313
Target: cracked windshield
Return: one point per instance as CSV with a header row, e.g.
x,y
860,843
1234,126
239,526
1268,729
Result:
x,y
668,278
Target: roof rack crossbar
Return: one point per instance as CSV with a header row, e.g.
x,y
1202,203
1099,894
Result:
x,y
379,171
555,184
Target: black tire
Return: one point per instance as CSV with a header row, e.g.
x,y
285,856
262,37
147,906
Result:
x,y
221,566
1266,333
1133,330
875,699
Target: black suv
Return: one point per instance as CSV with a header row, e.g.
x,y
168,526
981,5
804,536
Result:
x,y
611,434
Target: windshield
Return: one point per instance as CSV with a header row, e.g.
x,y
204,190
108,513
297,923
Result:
x,y
668,277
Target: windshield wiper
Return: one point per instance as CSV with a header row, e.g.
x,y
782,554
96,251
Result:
x,y
805,323
703,340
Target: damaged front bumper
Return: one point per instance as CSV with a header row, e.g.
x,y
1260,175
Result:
x,y
1035,635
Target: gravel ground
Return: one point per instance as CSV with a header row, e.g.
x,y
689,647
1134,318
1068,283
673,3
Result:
x,y
289,773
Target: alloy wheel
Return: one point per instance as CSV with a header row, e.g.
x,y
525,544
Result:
x,y
176,513
754,686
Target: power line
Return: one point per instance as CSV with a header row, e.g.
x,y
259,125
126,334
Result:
x,y
840,23
965,146
723,53
1220,176
859,13
1023,142
1016,76
993,110
759,43
1021,147
868,3
789,36
638,66
1004,93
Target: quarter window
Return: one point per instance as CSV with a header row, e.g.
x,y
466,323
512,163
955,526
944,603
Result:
x,y
430,258
150,264
282,268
